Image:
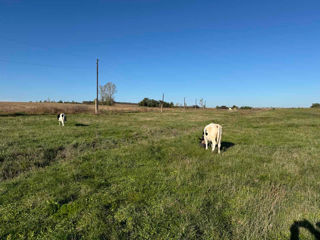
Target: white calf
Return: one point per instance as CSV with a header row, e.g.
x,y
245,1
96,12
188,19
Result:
x,y
61,118
212,133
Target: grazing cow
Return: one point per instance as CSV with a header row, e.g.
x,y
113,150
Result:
x,y
212,133
61,118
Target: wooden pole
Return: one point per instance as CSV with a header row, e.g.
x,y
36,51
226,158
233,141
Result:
x,y
96,102
184,103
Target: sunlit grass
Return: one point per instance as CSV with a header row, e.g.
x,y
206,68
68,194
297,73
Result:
x,y
144,176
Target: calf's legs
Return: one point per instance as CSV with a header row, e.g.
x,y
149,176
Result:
x,y
206,142
213,145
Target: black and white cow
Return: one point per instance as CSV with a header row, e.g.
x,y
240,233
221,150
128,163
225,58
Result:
x,y
62,118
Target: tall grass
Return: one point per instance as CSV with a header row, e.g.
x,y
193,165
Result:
x,y
25,108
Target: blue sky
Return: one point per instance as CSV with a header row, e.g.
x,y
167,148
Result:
x,y
256,53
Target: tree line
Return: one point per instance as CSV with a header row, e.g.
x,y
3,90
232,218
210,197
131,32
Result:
x,y
146,102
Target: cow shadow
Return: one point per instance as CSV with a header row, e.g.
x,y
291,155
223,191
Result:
x,y
295,229
224,145
81,125
16,114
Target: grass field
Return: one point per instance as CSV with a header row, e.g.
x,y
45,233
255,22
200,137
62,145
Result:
x,y
144,176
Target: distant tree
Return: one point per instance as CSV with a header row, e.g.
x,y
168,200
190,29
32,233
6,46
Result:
x,y
107,92
315,105
103,93
222,107
167,104
146,102
88,102
234,107
201,103
246,107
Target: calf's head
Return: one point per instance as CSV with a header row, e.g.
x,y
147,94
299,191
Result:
x,y
201,141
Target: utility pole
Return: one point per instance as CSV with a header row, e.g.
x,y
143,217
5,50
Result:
x,y
96,102
195,106
184,103
205,104
162,101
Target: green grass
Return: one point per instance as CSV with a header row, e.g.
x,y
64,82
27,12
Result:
x,y
144,176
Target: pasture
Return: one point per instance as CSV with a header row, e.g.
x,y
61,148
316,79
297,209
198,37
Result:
x,y
143,175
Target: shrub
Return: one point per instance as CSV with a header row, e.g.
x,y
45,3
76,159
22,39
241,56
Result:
x,y
109,102
222,107
315,105
88,102
167,105
246,107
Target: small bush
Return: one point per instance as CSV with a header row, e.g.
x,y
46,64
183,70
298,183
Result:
x,y
87,102
109,102
222,107
246,107
315,105
167,104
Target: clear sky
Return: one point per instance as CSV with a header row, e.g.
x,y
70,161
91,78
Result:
x,y
256,53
